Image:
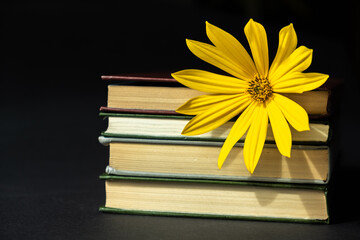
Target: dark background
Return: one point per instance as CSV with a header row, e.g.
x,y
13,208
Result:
x,y
52,56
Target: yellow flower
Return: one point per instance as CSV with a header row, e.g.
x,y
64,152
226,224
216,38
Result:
x,y
252,90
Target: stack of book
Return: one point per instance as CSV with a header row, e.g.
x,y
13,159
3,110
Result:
x,y
155,170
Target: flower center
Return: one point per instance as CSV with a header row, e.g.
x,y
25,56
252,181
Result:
x,y
259,88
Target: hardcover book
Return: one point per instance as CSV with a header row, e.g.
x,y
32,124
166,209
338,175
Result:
x,y
165,126
161,92
197,160
216,199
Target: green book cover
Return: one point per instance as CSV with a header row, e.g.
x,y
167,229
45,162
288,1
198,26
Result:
x,y
157,126
309,164
188,185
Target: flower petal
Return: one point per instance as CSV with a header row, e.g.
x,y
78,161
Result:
x,y
293,112
210,82
297,82
237,131
255,138
280,128
256,36
298,61
233,49
216,116
214,56
202,103
287,44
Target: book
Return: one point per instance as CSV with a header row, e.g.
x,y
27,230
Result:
x,y
198,160
216,199
162,92
156,126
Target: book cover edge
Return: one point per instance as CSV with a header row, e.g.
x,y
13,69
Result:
x,y
112,171
113,110
318,187
106,140
215,216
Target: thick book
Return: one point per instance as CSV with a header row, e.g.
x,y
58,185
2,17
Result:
x,y
162,92
198,160
216,199
164,126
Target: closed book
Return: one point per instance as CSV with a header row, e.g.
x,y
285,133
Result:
x,y
163,126
198,160
162,92
216,199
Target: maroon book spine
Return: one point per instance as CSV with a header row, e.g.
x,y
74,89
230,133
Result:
x,y
144,77
137,111
164,77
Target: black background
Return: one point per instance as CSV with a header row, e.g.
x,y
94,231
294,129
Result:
x,y
52,56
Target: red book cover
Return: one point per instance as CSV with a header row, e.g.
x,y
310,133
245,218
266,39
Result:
x,y
160,77
137,111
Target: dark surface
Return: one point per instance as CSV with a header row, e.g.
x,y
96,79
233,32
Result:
x,y
52,56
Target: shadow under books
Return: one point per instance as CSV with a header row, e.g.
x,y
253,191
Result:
x,y
280,163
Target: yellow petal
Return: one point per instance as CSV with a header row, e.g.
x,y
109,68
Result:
x,y
233,49
202,103
298,61
237,131
216,116
293,112
287,44
280,128
256,36
297,82
255,138
214,56
210,82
